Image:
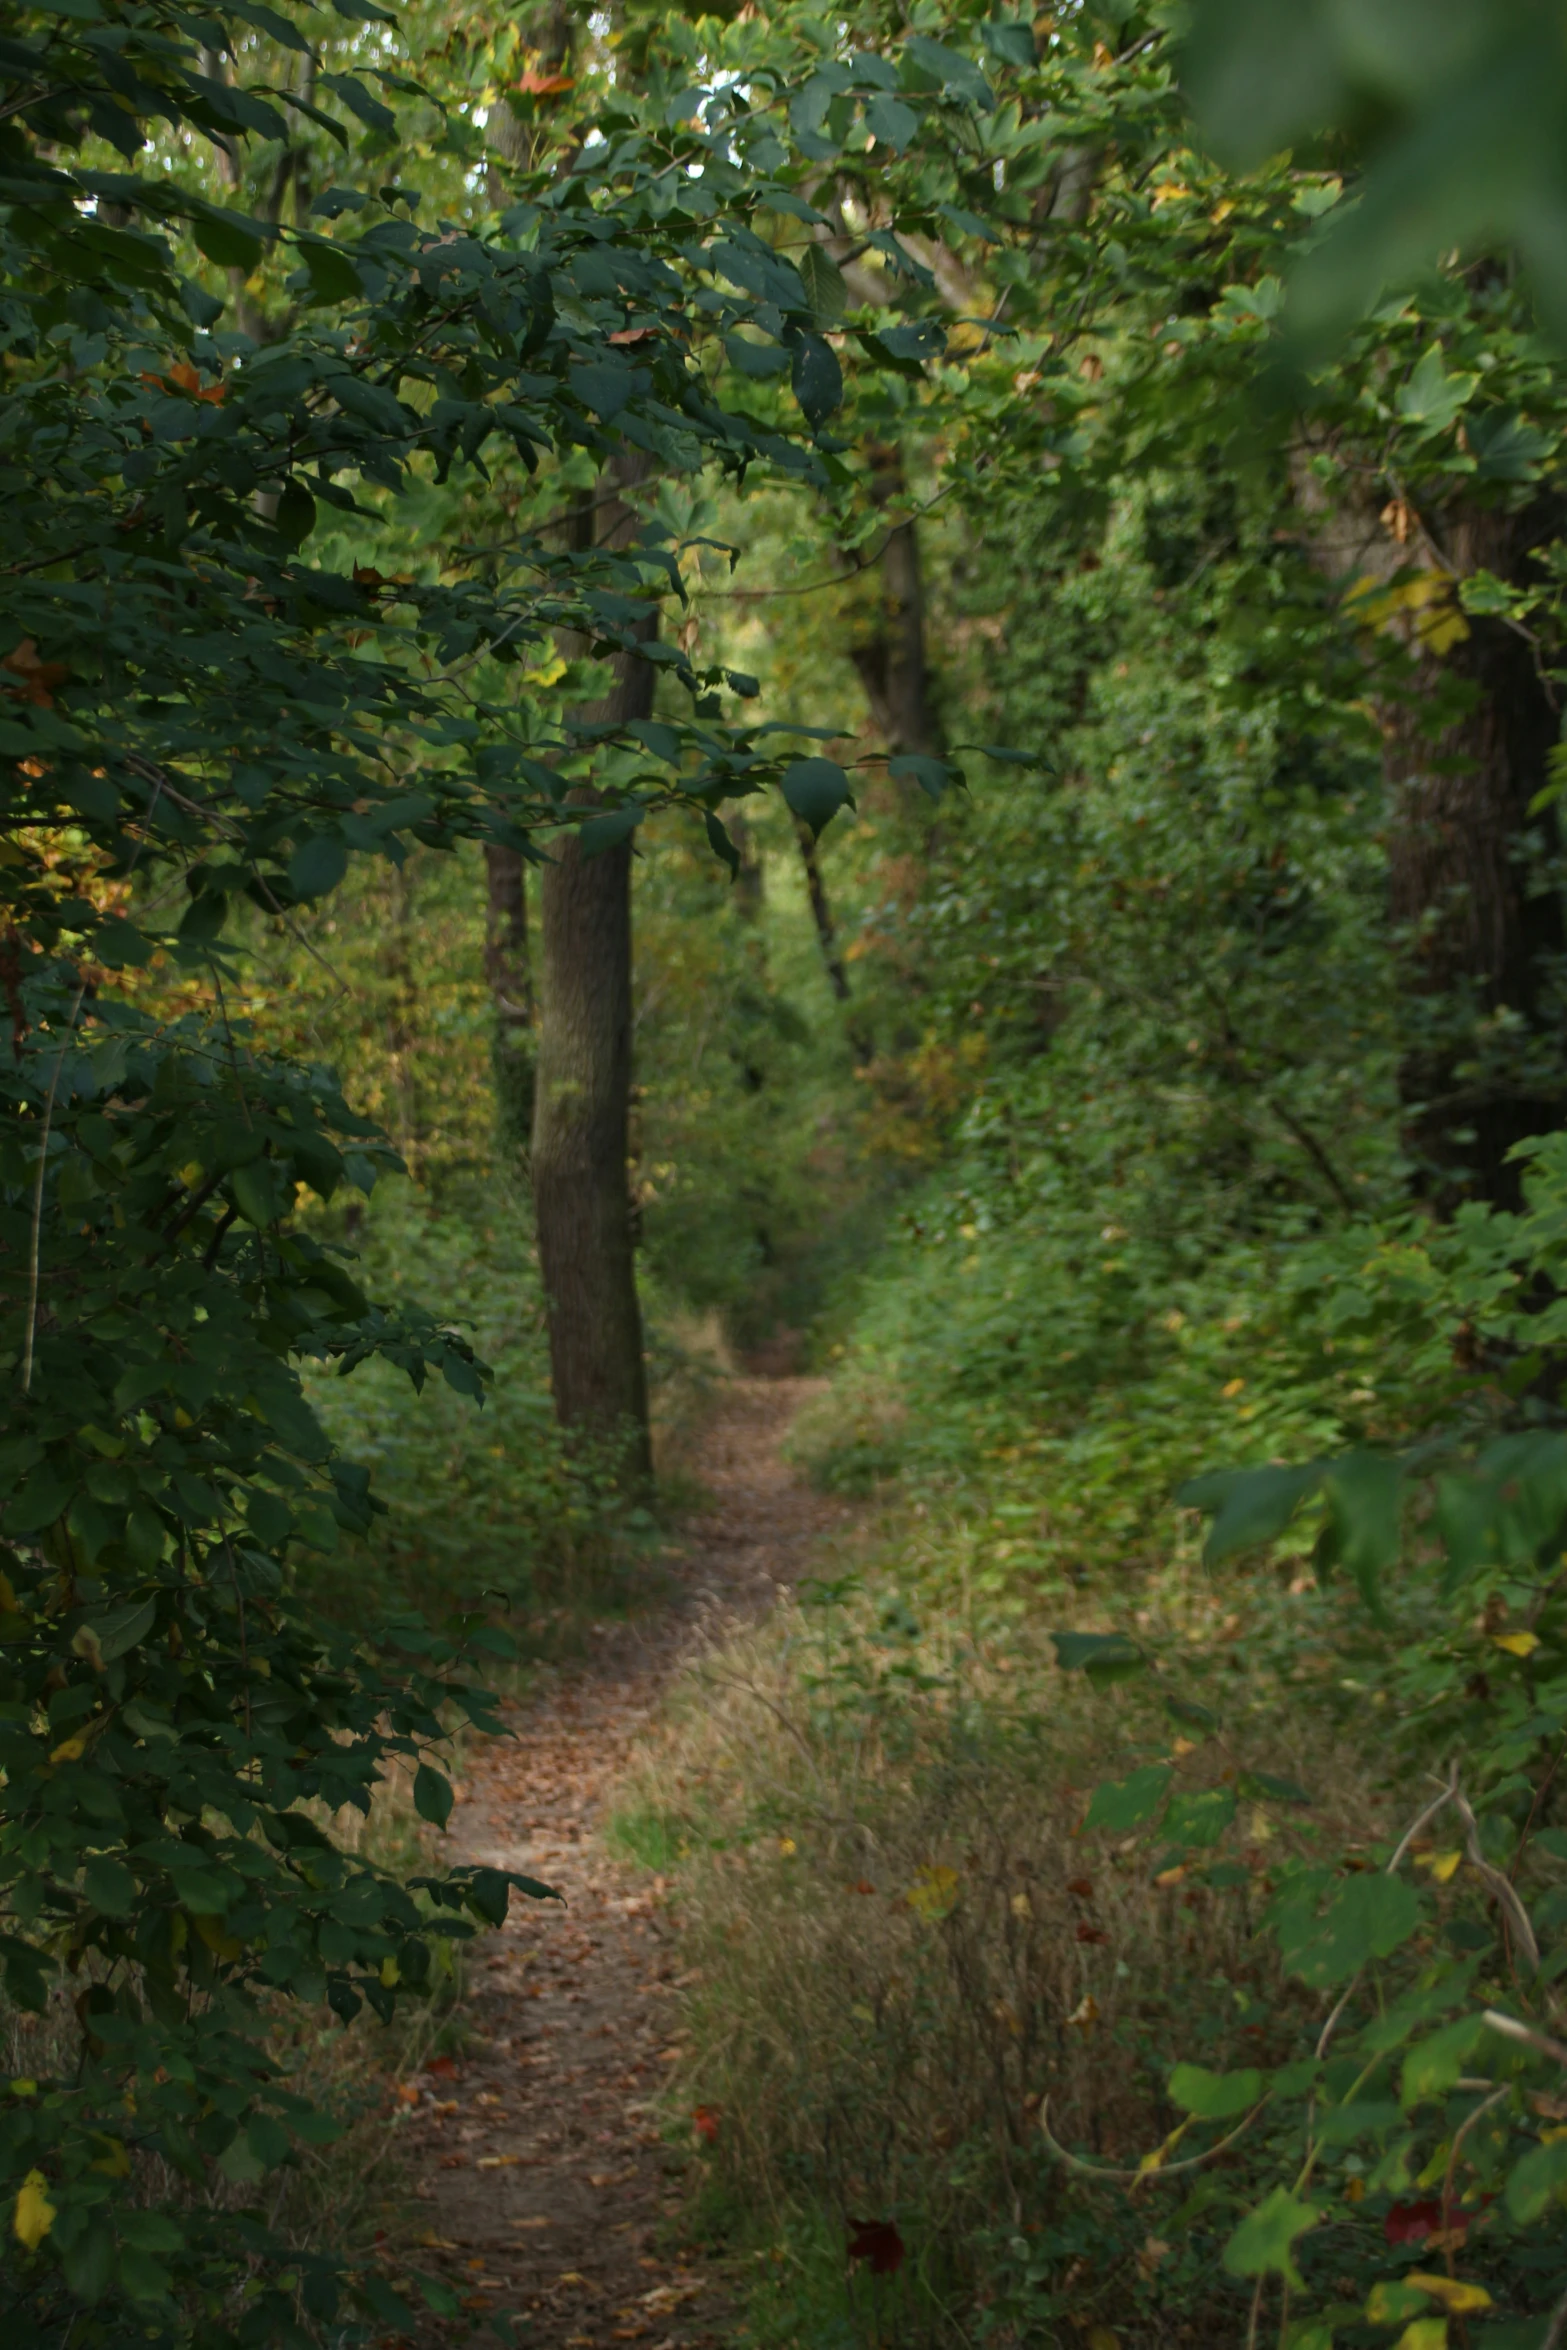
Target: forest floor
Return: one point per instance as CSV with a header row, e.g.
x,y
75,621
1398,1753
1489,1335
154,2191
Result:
x,y
547,2186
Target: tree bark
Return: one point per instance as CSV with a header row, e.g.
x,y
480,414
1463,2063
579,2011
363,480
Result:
x,y
582,1101
509,971
1479,936
892,663
827,940
1467,737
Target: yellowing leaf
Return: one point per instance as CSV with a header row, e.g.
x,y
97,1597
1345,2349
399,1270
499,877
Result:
x,y
787,1846
217,1937
114,2160
1085,2014
69,1750
391,1973
1444,1866
1516,1643
934,1893
1101,2338
1427,2333
34,2211
1457,2298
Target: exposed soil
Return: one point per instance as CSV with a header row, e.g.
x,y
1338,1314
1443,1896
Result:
x,y
548,2189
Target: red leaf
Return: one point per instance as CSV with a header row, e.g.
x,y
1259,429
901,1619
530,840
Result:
x,y
636,334
1411,2223
878,2241
442,2067
1087,1933
705,2122
863,1885
545,85
1083,1887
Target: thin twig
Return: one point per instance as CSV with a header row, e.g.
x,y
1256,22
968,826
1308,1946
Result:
x,y
1511,2029
34,1245
1168,2170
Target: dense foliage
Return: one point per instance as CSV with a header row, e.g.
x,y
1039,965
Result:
x,y
1202,1057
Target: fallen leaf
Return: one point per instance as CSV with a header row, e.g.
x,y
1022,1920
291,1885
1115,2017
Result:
x,y
498,2161
1085,2014
1081,1887
877,2242
934,1893
1088,1933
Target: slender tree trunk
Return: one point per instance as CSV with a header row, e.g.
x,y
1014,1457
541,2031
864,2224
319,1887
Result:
x,y
827,939
509,971
891,662
1468,738
582,1102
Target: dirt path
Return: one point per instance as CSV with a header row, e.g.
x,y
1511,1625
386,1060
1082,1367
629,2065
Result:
x,y
546,2185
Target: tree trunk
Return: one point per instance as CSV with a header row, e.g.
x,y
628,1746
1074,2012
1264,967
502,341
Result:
x,y
1468,735
827,939
1480,1069
892,662
509,971
582,1102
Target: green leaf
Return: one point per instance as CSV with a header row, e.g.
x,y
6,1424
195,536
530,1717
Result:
x,y
1214,2097
1119,1804
109,1886
318,864
817,378
609,830
1199,1819
604,385
1009,39
1263,2244
1433,2066
1432,398
890,122
227,238
1104,1656
296,512
432,1795
757,360
1365,1493
949,70
1537,2182
932,775
815,789
255,1193
823,283
1250,1506
1366,1917
123,1629
333,276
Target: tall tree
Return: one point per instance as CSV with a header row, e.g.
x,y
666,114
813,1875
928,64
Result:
x,y
582,1097
509,971
891,659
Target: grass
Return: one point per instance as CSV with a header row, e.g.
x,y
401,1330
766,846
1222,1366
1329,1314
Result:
x,y
906,1950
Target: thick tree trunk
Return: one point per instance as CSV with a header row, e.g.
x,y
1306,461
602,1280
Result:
x,y
509,971
1483,940
582,1106
1468,739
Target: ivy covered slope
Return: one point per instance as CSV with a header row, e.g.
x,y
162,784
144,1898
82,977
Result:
x,y
195,708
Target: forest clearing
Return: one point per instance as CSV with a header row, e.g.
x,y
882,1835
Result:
x,y
783,1177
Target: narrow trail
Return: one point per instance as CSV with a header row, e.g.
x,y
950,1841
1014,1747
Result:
x,y
545,2183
